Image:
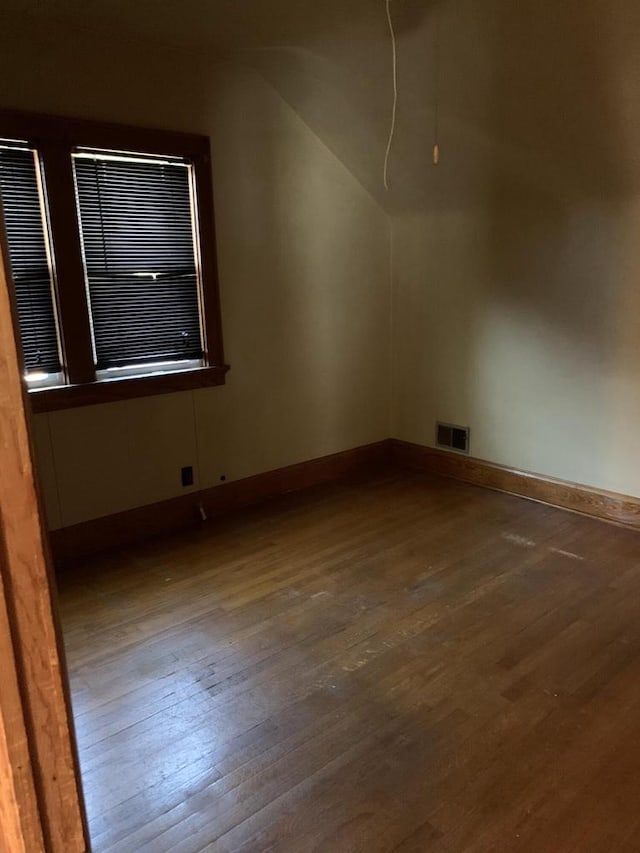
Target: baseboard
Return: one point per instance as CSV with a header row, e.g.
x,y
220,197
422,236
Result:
x,y
609,506
70,544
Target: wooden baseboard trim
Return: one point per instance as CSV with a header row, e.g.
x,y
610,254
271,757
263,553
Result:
x,y
70,544
601,504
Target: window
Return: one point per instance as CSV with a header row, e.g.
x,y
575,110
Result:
x,y
30,267
140,261
111,251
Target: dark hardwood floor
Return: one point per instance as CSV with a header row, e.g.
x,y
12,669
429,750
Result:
x,y
400,664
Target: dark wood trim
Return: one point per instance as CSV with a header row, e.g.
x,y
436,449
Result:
x,y
29,593
73,308
205,217
586,500
112,390
38,128
304,475
101,534
20,825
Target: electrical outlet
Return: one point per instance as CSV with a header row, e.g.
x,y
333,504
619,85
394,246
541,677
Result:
x,y
187,476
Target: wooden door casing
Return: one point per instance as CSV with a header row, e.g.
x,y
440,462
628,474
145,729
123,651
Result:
x,y
41,805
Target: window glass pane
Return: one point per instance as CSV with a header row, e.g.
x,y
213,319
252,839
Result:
x,y
26,233
137,226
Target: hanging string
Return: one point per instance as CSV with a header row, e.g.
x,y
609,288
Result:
x,y
394,111
436,89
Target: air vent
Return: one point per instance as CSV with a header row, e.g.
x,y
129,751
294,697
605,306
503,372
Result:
x,y
452,437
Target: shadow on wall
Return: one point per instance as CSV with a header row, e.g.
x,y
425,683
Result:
x,y
305,261
547,348
514,258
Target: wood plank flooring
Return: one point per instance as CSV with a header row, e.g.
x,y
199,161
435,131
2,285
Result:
x,y
402,663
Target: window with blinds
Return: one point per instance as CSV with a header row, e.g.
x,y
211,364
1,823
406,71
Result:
x,y
141,261
112,257
26,234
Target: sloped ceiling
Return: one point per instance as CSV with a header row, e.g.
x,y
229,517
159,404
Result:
x,y
328,58
528,93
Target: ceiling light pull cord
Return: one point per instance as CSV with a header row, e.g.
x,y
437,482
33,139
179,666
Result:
x,y
394,111
436,87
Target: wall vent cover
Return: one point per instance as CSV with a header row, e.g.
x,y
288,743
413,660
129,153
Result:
x,y
452,437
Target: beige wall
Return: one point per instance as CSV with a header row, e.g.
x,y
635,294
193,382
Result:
x,y
517,261
533,343
304,268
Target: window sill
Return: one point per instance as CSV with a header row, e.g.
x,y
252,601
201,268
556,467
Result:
x,y
112,390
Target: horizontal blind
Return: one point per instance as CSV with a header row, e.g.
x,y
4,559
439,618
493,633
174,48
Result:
x,y
137,234
28,259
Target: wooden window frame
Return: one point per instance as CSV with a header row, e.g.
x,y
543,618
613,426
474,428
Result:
x,y
55,138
